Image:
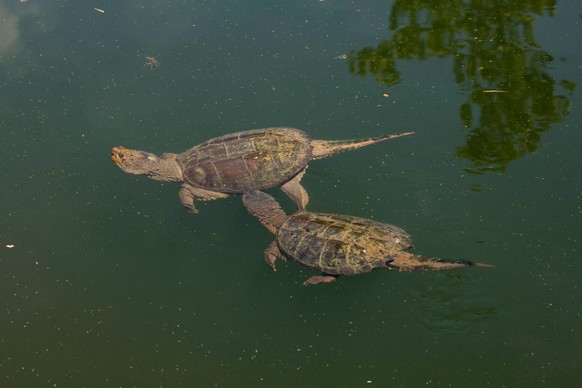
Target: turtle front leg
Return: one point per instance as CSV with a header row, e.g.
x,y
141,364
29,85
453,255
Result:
x,y
272,253
296,192
188,193
320,279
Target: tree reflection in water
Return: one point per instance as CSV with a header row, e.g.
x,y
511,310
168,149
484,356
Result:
x,y
511,97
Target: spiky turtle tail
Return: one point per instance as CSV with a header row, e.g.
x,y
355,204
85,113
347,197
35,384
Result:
x,y
408,262
325,148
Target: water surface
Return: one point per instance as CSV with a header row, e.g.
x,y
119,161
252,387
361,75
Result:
x,y
107,281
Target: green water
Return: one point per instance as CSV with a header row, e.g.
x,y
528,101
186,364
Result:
x,y
110,283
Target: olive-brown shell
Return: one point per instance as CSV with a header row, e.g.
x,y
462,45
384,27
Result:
x,y
249,160
338,244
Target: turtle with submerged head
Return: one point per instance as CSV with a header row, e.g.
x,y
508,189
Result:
x,y
338,244
239,162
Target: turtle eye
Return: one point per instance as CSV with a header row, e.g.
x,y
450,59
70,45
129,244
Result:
x,y
117,157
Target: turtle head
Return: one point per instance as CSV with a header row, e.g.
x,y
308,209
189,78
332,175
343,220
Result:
x,y
145,163
134,162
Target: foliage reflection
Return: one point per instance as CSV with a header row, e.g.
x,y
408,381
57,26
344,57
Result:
x,y
498,65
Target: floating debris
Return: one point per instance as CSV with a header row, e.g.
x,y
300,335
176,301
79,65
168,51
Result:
x,y
9,246
494,91
152,62
99,10
386,94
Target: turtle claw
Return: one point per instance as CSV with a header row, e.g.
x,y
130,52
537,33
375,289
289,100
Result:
x,y
271,254
188,193
270,260
189,206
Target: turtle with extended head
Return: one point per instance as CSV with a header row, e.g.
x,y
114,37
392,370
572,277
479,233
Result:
x,y
239,162
338,244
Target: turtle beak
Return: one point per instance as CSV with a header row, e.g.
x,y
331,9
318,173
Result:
x,y
118,154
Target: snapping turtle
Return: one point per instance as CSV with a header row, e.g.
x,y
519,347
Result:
x,y
239,162
338,244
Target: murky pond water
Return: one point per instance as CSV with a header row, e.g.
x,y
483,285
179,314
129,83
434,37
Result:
x,y
107,281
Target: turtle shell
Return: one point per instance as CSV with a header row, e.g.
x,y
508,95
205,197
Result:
x,y
249,160
338,244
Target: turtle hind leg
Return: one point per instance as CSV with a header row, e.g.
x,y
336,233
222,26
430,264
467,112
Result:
x,y
265,209
320,279
296,192
325,148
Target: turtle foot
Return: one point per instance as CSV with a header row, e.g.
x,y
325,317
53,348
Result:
x,y
319,279
271,254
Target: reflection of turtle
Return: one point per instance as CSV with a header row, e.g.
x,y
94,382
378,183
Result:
x,y
337,244
239,162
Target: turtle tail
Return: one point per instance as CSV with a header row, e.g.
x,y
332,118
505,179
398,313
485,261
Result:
x,y
405,261
325,148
